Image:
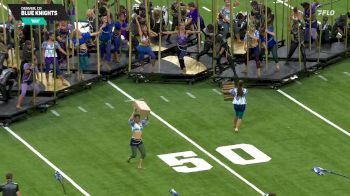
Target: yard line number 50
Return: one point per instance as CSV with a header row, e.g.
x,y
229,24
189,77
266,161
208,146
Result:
x,y
188,161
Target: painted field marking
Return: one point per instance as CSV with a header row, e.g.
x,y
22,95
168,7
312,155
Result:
x,y
217,92
191,95
206,9
193,142
109,105
128,100
82,109
283,2
4,6
137,1
55,113
54,167
347,73
323,78
164,99
298,82
314,113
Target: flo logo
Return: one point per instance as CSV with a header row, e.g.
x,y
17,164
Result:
x,y
326,12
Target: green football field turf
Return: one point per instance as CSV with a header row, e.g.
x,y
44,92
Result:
x,y
92,147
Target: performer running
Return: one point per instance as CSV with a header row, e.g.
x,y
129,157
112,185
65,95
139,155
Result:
x,y
297,30
49,56
209,40
145,45
29,72
182,35
239,104
271,45
307,11
224,49
136,140
251,42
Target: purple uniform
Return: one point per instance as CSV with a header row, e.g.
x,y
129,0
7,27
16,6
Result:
x,y
27,80
181,49
194,15
51,56
313,22
307,15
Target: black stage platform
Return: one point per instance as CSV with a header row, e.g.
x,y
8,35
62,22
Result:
x,y
9,112
327,52
269,74
74,84
107,69
170,70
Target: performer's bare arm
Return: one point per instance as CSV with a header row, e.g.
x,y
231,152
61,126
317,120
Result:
x,y
192,32
271,33
169,32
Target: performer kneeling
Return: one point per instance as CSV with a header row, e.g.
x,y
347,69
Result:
x,y
29,72
136,139
182,35
271,45
251,42
145,45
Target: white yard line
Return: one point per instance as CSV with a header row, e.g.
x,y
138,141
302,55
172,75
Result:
x,y
217,92
191,95
128,100
206,9
347,73
298,82
164,99
54,112
285,3
192,142
137,1
82,109
323,78
314,113
110,106
54,167
4,6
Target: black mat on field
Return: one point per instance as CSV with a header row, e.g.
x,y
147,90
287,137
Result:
x,y
327,52
106,67
268,73
8,109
